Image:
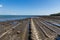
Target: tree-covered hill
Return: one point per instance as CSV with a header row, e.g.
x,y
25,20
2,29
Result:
x,y
57,14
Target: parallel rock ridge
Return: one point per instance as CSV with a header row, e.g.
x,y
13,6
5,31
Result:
x,y
34,28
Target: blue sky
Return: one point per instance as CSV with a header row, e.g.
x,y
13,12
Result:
x,y
29,7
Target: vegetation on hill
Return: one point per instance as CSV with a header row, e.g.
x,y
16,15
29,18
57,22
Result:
x,y
57,14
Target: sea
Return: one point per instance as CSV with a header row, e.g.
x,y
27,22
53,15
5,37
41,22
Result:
x,y
14,17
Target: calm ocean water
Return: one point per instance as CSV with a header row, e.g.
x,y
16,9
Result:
x,y
13,17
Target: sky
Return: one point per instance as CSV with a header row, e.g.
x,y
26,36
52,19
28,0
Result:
x,y
29,7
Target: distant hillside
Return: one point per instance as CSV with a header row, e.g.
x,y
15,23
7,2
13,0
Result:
x,y
57,14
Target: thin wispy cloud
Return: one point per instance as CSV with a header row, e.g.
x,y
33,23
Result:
x,y
3,12
1,5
